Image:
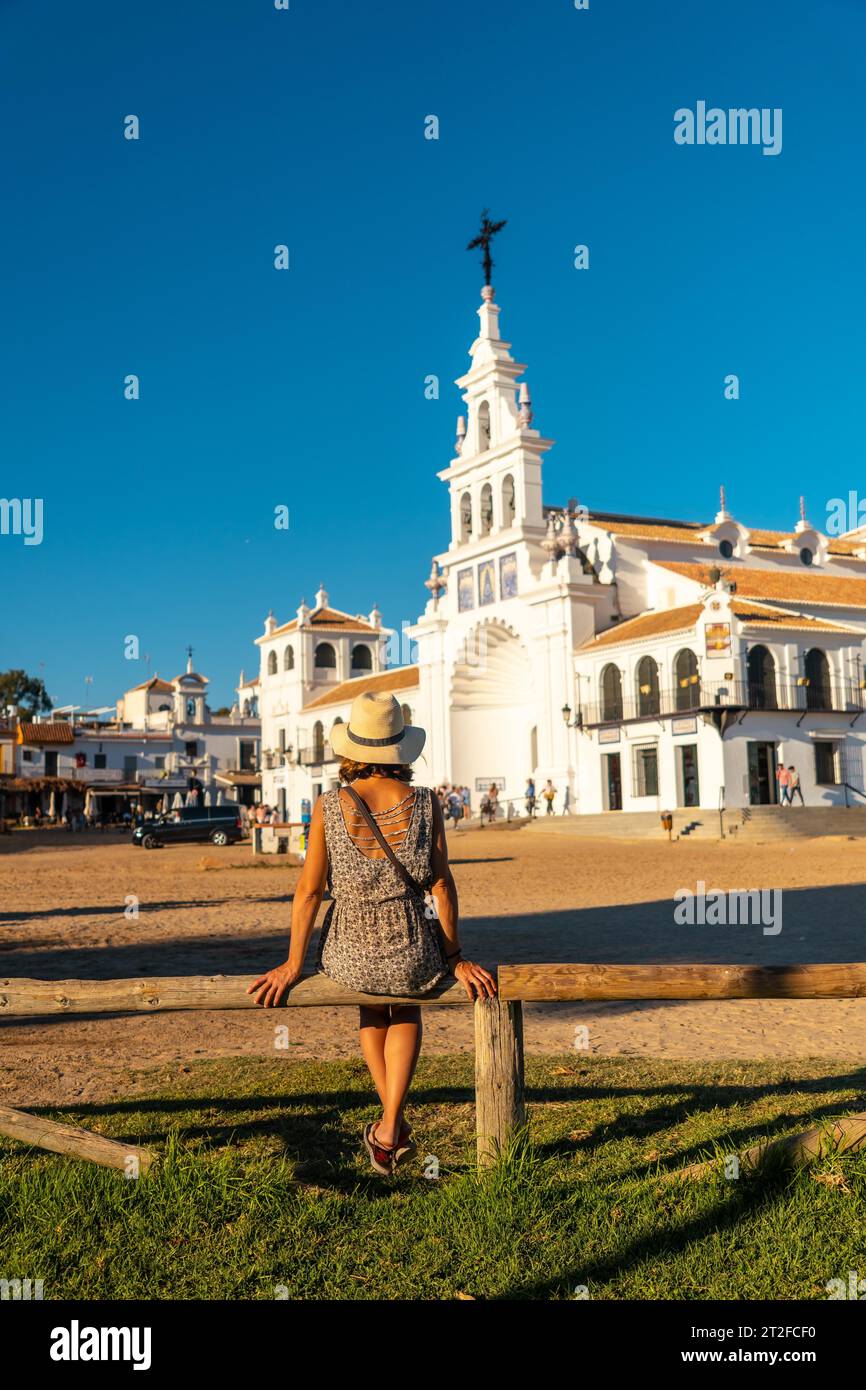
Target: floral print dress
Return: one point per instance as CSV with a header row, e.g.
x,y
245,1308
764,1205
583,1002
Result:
x,y
376,937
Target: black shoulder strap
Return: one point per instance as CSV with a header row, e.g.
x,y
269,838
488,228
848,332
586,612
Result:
x,y
366,816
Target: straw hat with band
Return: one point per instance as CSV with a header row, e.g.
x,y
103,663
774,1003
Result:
x,y
376,732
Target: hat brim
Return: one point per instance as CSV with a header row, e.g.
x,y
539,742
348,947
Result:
x,y
399,754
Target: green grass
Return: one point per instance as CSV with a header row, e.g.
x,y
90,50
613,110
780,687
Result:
x,y
262,1182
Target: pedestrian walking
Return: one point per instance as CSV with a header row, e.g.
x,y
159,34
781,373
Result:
x,y
794,788
783,777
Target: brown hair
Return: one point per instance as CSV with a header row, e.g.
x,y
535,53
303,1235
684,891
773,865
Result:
x,y
350,770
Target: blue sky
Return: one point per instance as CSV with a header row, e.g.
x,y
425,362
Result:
x,y
306,387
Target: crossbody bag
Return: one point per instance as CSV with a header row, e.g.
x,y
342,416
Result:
x,y
422,897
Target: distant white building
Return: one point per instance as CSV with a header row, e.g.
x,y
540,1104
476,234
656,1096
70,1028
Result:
x,y
311,670
639,663
164,740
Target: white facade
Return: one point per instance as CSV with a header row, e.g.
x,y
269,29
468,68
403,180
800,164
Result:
x,y
164,735
639,663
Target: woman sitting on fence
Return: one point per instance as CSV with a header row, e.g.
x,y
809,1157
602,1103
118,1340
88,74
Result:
x,y
392,927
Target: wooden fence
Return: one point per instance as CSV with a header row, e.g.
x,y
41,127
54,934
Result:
x,y
499,1083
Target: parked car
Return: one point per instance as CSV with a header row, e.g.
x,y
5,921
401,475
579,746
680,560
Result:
x,y
220,825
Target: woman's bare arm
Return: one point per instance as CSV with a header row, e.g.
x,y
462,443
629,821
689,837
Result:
x,y
476,980
270,988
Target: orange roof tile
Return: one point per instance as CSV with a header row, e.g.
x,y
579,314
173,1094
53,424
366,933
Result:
x,y
153,684
689,533
665,621
652,624
782,585
58,732
331,618
403,678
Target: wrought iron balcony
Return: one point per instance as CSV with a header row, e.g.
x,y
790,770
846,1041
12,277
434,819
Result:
x,y
705,697
318,753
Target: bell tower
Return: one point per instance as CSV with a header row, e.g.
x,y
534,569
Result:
x,y
494,477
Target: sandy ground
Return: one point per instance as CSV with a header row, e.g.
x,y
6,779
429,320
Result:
x,y
525,896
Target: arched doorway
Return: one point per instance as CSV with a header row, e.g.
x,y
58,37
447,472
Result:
x,y
687,681
611,694
648,699
493,712
818,691
762,678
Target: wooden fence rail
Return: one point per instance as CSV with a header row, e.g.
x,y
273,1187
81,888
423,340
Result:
x,y
499,1084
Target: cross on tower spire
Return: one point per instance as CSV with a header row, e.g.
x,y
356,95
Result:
x,y
485,236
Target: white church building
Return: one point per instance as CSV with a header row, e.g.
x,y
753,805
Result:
x,y
640,663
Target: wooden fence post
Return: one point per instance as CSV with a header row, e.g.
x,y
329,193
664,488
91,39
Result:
x,y
499,1103
78,1143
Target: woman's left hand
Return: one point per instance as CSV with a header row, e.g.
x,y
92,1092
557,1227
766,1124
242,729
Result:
x,y
478,982
273,986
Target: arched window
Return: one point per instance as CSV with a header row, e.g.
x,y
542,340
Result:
x,y
648,700
687,682
246,709
407,714
486,509
325,656
190,707
272,663
818,692
362,658
611,693
465,517
483,427
509,505
762,678
289,659
337,721
318,742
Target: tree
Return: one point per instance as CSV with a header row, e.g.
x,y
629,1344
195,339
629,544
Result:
x,y
27,692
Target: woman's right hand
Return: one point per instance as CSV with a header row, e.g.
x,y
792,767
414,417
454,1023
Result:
x,y
478,982
272,986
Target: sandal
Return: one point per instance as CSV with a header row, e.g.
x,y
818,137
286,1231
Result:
x,y
381,1155
405,1147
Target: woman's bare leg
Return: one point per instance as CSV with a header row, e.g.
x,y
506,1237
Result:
x,y
374,1031
402,1046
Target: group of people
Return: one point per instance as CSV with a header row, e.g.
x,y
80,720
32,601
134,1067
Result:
x,y
548,796
788,780
455,803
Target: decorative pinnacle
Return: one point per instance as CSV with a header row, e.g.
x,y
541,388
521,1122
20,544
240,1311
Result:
x,y
525,406
436,584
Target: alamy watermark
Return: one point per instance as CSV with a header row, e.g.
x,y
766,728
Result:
x,y
737,126
22,516
743,907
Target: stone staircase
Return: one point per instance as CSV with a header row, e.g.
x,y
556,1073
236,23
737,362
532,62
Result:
x,y
754,823
628,825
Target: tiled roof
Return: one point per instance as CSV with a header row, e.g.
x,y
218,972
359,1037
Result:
x,y
403,678
670,620
782,585
653,624
46,733
330,618
651,528
759,615
153,684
